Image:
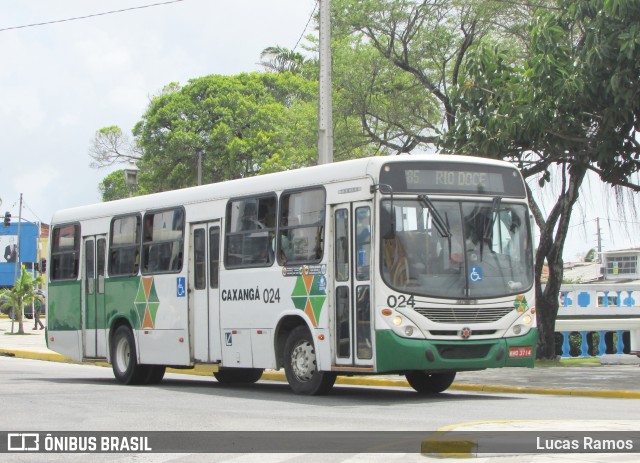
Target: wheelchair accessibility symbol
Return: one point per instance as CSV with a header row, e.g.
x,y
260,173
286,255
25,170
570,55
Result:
x,y
475,274
181,287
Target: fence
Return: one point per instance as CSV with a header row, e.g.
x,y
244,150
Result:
x,y
598,319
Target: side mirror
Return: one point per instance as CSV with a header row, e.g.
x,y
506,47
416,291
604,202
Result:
x,y
387,222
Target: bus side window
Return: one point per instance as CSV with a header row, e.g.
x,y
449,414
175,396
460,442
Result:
x,y
163,241
301,227
65,252
124,250
250,231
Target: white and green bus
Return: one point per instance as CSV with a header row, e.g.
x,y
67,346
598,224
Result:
x,y
416,265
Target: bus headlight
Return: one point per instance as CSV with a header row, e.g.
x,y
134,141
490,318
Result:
x,y
401,325
523,325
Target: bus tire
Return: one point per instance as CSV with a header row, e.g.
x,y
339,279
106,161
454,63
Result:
x,y
238,375
300,365
430,383
155,373
124,360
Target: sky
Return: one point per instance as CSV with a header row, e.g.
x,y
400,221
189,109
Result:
x,y
61,82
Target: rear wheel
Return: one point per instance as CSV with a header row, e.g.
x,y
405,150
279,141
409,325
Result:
x,y
124,358
430,383
238,375
301,367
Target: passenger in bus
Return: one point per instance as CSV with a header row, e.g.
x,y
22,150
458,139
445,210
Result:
x,y
286,249
250,220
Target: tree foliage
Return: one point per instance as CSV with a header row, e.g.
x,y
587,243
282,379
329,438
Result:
x,y
403,90
110,145
280,59
571,107
241,126
113,187
233,121
552,86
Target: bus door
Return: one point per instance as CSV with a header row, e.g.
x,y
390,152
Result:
x,y
204,293
352,266
93,314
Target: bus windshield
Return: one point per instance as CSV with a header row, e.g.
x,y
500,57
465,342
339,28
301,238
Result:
x,y
485,252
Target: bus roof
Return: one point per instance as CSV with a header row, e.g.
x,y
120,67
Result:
x,y
290,179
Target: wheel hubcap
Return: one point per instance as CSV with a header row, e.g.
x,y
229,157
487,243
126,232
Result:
x,y
303,361
122,355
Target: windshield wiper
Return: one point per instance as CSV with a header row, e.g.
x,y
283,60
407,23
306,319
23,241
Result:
x,y
441,225
495,210
488,226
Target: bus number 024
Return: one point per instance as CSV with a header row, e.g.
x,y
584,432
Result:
x,y
400,301
271,296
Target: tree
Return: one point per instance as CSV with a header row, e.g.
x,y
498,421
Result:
x,y
241,126
280,59
112,146
539,83
591,255
113,187
21,294
403,97
571,107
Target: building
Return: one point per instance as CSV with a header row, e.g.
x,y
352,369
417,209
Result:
x,y
11,257
621,265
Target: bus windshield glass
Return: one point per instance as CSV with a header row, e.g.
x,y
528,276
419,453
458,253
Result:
x,y
486,253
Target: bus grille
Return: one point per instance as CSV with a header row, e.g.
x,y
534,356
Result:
x,y
477,351
464,314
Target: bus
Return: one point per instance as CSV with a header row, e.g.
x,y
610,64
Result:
x,y
414,265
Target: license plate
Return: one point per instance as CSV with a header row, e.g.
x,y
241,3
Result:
x,y
523,351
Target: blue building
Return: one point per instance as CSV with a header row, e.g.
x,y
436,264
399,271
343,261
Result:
x,y
9,255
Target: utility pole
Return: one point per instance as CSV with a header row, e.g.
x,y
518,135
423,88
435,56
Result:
x,y
199,165
599,235
325,109
15,270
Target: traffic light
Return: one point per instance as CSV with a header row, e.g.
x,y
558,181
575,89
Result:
x,y
7,219
43,265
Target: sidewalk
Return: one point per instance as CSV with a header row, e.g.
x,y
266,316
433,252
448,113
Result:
x,y
581,378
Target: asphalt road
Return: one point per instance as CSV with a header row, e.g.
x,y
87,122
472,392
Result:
x,y
50,396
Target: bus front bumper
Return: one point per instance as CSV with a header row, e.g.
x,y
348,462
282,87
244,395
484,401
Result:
x,y
394,353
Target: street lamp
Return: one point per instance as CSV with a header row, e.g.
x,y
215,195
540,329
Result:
x,y
131,177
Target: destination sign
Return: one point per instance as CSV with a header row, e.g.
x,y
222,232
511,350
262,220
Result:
x,y
452,178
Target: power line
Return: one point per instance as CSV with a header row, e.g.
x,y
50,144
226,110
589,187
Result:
x,y
306,27
90,15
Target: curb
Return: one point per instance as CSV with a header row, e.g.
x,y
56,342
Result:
x,y
208,370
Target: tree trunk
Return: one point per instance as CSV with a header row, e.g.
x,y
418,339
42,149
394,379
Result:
x,y
553,233
547,309
20,313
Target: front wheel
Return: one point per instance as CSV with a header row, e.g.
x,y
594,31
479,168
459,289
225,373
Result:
x,y
430,383
300,365
124,359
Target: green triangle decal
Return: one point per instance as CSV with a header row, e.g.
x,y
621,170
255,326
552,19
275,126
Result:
x,y
317,303
299,302
299,289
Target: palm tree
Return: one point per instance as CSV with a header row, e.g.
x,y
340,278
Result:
x,y
280,59
23,293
